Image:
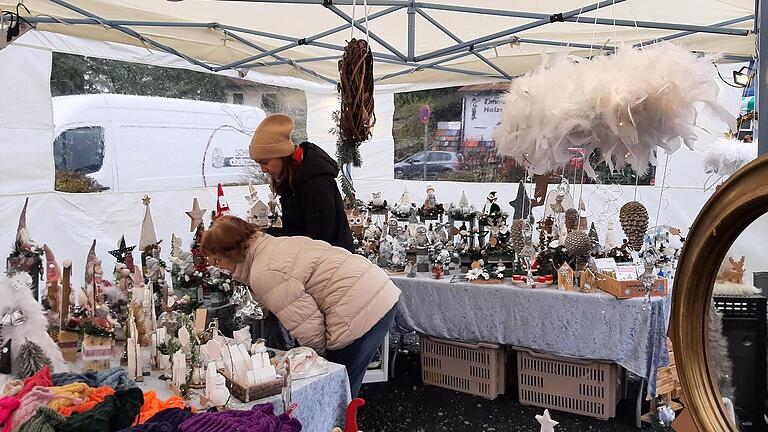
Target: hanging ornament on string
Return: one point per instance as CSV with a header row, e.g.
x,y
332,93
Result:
x,y
634,221
356,118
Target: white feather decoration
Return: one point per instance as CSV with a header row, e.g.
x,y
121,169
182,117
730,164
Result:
x,y
724,156
16,290
626,105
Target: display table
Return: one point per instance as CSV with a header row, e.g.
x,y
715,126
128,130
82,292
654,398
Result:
x,y
586,326
321,400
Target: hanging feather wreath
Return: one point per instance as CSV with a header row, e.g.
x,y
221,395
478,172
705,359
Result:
x,y
625,105
724,156
356,118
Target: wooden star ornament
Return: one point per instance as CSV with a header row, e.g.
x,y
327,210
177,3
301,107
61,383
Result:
x,y
196,215
122,250
547,424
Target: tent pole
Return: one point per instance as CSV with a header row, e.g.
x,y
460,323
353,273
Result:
x,y
761,86
309,39
450,34
373,36
543,21
280,58
688,33
133,33
411,30
659,25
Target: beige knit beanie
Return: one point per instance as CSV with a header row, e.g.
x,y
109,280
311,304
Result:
x,y
272,138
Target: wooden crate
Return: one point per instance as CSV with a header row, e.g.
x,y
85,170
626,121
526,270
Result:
x,y
251,393
68,341
630,288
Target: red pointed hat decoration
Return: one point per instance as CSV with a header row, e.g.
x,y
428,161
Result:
x,y
222,207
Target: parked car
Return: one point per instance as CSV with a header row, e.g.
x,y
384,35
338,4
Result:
x,y
136,143
437,162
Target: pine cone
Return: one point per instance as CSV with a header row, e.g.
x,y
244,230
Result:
x,y
571,219
578,244
517,238
634,222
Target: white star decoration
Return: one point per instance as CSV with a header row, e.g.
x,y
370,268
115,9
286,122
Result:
x,y
547,424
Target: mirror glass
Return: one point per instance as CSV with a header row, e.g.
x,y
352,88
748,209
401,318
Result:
x,y
737,328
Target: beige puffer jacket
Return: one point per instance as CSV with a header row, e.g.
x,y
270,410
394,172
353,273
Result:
x,y
324,295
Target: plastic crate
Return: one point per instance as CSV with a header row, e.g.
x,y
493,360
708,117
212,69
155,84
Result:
x,y
590,388
475,368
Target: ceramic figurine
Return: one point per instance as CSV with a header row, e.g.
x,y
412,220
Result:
x,y
490,206
215,387
437,270
500,269
421,239
736,273
392,228
377,202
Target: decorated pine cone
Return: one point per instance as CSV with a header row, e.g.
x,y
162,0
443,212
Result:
x,y
634,222
517,237
571,219
578,244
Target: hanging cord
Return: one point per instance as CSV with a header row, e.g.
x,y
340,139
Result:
x,y
634,20
661,194
594,29
357,116
573,28
637,179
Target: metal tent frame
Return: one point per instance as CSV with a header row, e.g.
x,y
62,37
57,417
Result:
x,y
412,61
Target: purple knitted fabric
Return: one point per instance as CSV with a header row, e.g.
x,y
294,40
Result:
x,y
167,420
260,418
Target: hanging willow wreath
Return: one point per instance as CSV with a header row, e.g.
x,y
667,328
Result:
x,y
356,88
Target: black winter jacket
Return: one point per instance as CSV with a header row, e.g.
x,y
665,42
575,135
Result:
x,y
313,206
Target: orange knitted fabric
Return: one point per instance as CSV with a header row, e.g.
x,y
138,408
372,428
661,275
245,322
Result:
x,y
153,405
95,396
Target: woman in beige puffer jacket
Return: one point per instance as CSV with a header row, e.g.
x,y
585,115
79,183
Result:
x,y
337,303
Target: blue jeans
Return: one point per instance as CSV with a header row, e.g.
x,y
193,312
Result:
x,y
357,356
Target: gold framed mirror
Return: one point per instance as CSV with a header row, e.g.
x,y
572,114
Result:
x,y
732,208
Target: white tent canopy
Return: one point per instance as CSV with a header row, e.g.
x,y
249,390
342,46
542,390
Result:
x,y
413,42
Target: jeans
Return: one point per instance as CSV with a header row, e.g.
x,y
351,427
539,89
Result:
x,y
357,356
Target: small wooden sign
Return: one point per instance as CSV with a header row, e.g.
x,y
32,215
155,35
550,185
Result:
x,y
200,317
565,277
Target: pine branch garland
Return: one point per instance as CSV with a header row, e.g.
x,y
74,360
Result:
x,y
31,359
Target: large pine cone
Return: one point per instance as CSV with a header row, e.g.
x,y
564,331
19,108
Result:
x,y
634,222
517,237
571,219
578,244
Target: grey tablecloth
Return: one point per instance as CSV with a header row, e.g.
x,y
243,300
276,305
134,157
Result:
x,y
321,400
586,326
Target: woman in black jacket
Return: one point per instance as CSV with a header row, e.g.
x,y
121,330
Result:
x,y
305,178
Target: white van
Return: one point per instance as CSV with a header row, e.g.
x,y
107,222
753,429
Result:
x,y
137,143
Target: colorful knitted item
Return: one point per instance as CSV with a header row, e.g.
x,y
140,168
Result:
x,y
260,418
153,405
167,420
8,405
42,378
78,391
36,398
95,396
117,412
45,420
117,378
12,388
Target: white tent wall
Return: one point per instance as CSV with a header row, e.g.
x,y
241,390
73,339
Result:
x,y
26,120
69,222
